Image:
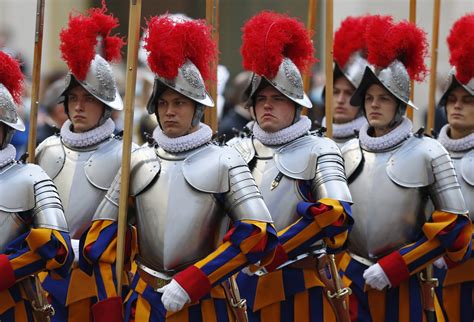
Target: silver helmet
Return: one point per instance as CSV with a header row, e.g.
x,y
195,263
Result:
x,y
180,62
11,85
87,37
277,48
287,81
8,113
99,82
189,83
353,70
394,60
394,78
453,82
460,46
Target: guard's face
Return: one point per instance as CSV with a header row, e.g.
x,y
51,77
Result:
x,y
380,107
343,111
273,110
85,110
460,110
175,113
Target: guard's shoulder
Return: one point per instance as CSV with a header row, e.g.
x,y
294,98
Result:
x,y
244,146
352,155
17,188
467,166
50,155
208,168
144,167
298,159
412,164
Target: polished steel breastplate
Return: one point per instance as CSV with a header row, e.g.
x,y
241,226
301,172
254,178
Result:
x,y
78,196
177,224
283,199
386,215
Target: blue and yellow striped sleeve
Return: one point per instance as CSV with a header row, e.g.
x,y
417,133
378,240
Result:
x,y
34,251
328,220
444,234
247,242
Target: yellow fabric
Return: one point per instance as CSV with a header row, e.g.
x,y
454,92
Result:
x,y
269,290
404,303
208,311
461,273
20,312
451,301
377,305
302,307
328,312
250,242
307,233
329,217
142,312
270,313
80,311
38,237
81,286
440,220
6,301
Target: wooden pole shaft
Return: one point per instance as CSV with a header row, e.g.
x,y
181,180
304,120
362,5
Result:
x,y
412,19
329,66
35,86
131,77
312,10
312,7
433,67
212,18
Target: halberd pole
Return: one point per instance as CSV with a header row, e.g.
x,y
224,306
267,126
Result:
x,y
131,78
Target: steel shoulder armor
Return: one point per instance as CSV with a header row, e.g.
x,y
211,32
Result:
x,y
222,170
144,167
464,165
82,176
27,188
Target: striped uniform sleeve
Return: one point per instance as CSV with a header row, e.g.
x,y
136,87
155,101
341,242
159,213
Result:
x,y
98,256
444,234
328,220
247,242
34,251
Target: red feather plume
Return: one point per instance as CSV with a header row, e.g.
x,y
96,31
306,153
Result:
x,y
79,39
349,38
461,47
268,37
170,43
11,76
387,41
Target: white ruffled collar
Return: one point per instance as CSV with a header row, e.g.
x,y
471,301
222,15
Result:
x,y
285,135
89,138
185,142
346,130
7,155
463,144
387,141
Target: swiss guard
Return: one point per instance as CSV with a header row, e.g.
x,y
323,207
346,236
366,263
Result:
x,y
85,157
393,174
457,281
200,216
350,60
33,230
300,175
